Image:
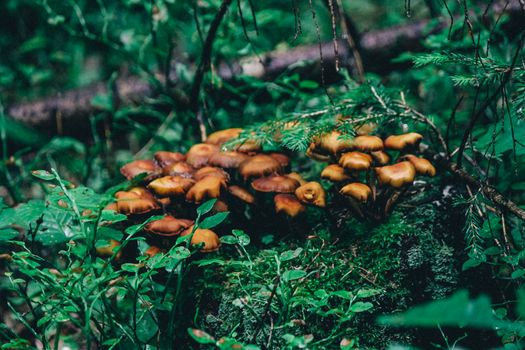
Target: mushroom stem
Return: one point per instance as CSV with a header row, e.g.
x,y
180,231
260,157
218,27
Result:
x,y
355,206
391,201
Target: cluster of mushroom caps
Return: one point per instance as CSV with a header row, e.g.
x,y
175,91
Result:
x,y
365,173
175,183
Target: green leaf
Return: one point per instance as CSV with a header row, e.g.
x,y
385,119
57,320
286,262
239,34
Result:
x,y
43,175
517,274
366,293
206,207
214,220
229,239
290,254
361,306
291,275
200,336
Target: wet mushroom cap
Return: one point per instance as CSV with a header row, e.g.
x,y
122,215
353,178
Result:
x,y
355,161
199,154
283,159
165,158
333,143
222,136
396,175
179,169
335,173
171,186
208,187
367,143
356,190
248,146
242,194
288,204
111,206
168,226
422,165
400,142
381,157
138,167
316,154
276,183
228,159
107,250
365,129
312,193
135,201
211,171
259,165
208,237
297,176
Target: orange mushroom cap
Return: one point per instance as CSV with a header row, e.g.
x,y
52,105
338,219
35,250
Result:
x,y
200,153
283,159
107,250
242,194
422,165
228,159
135,201
259,165
315,154
208,187
111,206
365,129
165,158
221,136
333,142
334,172
179,169
248,146
355,161
356,190
296,176
211,171
381,157
276,183
152,251
367,143
400,142
396,175
312,193
208,237
288,204
220,206
168,226
171,186
138,167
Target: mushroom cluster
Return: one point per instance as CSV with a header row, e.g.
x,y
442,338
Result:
x,y
363,172
173,184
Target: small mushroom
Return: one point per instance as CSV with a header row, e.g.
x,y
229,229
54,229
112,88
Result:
x,y
396,175
400,142
171,186
199,154
355,161
168,226
333,143
179,169
135,201
334,173
315,154
152,251
248,146
297,176
241,194
220,206
365,129
138,167
259,165
222,136
107,251
357,190
312,193
422,165
208,187
367,143
164,158
208,237
276,183
288,204
381,157
228,159
211,171
283,159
